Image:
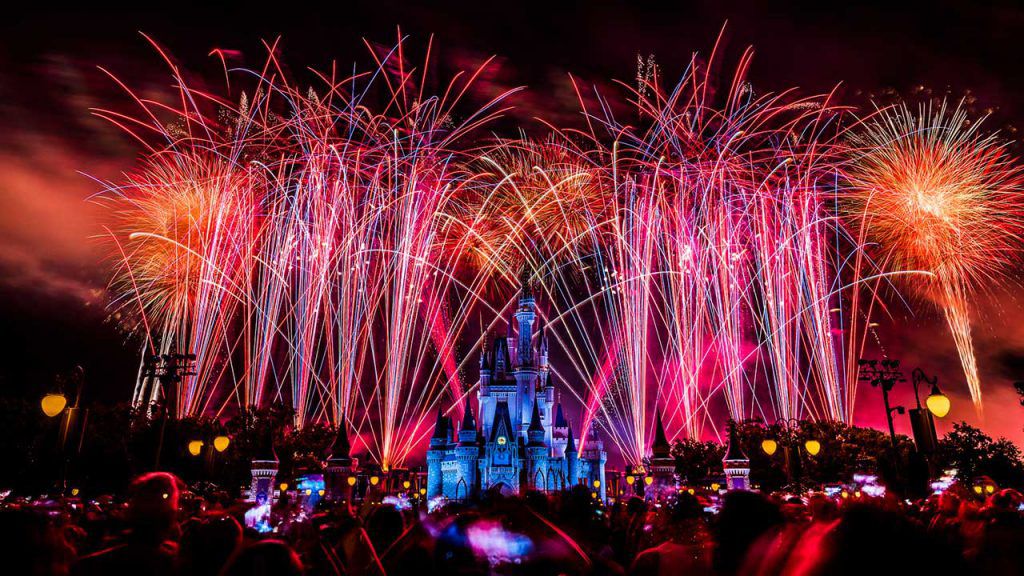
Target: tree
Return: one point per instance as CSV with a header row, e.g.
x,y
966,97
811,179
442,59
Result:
x,y
973,453
696,460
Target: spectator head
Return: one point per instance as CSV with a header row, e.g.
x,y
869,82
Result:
x,y
153,502
745,518
208,542
265,558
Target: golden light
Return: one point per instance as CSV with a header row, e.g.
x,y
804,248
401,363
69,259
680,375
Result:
x,y
812,447
309,491
630,480
406,484
990,489
937,402
856,494
221,443
53,404
593,495
351,480
845,494
165,495
423,491
74,491
769,446
374,480
649,480
715,486
195,447
691,491
283,486
978,489
320,492
597,483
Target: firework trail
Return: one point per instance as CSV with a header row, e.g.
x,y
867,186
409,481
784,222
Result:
x,y
938,196
346,249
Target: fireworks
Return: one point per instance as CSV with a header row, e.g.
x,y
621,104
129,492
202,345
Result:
x,y
345,249
939,196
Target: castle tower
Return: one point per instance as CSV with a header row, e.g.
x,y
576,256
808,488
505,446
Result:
x,y
571,461
736,463
466,454
435,455
593,463
340,466
663,465
486,368
536,452
525,371
263,471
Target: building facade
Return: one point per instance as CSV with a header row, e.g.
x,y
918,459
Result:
x,y
522,440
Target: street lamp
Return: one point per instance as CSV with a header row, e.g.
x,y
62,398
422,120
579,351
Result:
x,y
812,447
937,402
53,404
789,443
195,447
221,443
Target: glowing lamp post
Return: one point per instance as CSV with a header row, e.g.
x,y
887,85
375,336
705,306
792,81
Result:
x,y
53,404
937,402
195,447
812,447
221,443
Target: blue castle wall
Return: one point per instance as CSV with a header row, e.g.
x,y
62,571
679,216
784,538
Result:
x,y
523,441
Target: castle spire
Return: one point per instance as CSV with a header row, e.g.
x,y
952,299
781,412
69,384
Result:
x,y
570,444
535,433
660,448
440,426
468,421
485,363
535,424
341,446
559,415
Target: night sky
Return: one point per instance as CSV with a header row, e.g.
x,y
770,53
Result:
x,y
52,270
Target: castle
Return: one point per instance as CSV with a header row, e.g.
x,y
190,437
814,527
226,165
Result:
x,y
524,442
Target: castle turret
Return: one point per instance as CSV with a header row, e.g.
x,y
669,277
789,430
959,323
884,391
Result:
x,y
466,454
467,433
663,465
436,454
537,451
525,315
736,463
486,367
571,461
263,471
535,433
501,358
592,466
340,466
526,370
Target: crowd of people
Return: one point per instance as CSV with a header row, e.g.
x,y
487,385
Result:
x,y
161,528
